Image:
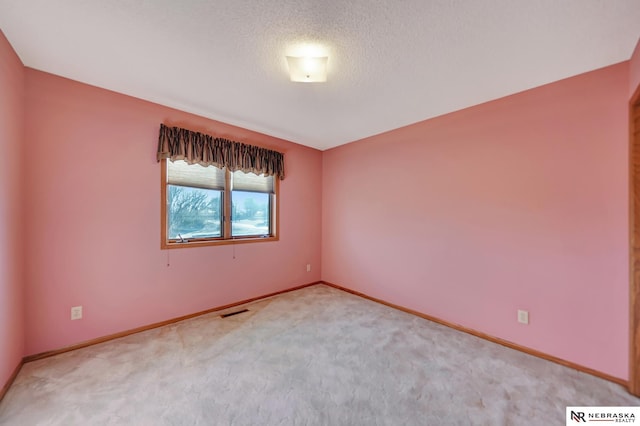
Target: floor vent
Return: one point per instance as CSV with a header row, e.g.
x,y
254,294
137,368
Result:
x,y
230,314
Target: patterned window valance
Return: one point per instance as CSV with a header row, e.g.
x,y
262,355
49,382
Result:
x,y
175,143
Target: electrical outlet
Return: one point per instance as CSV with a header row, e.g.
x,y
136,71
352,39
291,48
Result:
x,y
308,267
523,316
76,312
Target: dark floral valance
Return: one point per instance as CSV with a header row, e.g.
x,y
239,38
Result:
x,y
175,143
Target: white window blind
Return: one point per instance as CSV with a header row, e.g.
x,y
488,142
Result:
x,y
179,172
251,182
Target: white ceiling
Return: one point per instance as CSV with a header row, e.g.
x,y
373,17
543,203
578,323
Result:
x,y
391,62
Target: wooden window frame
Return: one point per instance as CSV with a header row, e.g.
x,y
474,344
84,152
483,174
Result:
x,y
166,243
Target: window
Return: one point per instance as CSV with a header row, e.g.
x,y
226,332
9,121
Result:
x,y
215,190
211,205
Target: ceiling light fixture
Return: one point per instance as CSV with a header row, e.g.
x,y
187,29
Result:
x,y
308,69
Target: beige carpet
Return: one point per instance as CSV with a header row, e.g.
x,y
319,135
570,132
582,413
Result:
x,y
316,356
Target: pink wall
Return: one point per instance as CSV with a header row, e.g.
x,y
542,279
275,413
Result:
x,y
93,209
519,203
11,142
634,70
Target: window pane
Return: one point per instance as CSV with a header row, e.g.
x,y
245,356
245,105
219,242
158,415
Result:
x,y
193,212
250,213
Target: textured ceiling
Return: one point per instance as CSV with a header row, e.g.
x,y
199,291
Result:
x,y
391,63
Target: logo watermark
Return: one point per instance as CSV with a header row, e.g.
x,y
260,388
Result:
x,y
602,415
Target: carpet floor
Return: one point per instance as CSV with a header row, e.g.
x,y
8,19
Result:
x,y
316,356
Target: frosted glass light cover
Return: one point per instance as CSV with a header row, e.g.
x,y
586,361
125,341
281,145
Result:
x,y
308,69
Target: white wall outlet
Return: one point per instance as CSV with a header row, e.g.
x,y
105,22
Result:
x,y
76,312
523,316
308,267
